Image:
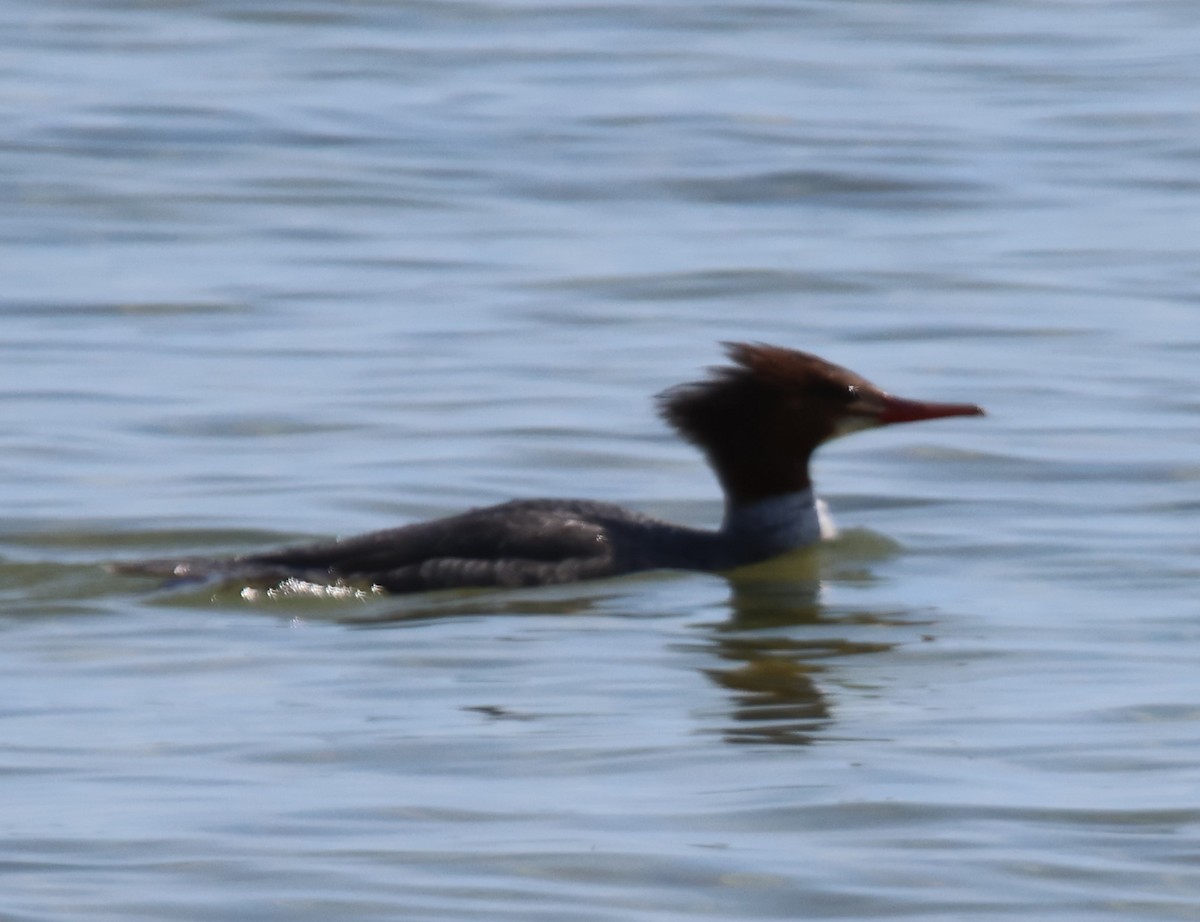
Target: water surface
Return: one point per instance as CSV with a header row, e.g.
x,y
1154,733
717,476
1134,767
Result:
x,y
276,271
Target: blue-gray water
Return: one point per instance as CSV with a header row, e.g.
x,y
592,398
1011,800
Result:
x,y
275,270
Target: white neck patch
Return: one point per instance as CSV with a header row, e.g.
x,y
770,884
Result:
x,y
781,523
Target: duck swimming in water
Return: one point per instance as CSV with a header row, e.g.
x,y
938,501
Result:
x,y
758,421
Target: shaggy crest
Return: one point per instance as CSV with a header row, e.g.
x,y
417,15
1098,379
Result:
x,y
738,397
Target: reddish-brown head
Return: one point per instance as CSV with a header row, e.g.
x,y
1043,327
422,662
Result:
x,y
760,419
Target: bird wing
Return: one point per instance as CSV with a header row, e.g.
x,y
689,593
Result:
x,y
514,544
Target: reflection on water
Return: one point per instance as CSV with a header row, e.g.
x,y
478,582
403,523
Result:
x,y
775,654
775,695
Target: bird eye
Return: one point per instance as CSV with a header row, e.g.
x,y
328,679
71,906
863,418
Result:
x,y
838,393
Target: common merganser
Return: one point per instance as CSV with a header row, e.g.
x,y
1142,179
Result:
x,y
758,421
